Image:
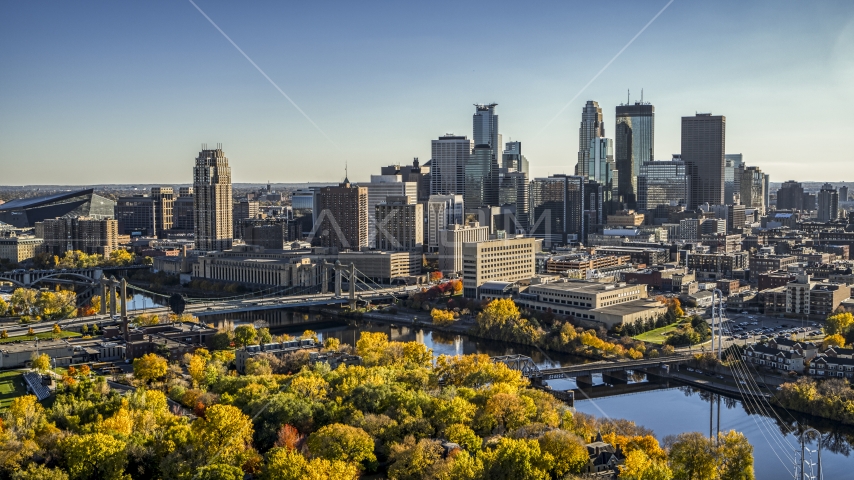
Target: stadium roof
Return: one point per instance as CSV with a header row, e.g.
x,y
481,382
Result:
x,y
39,201
25,212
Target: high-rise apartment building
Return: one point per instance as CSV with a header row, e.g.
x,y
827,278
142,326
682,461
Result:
x,y
828,203
451,242
212,201
164,199
342,218
790,196
450,154
843,193
379,188
86,234
400,224
703,147
442,211
591,127
663,182
635,144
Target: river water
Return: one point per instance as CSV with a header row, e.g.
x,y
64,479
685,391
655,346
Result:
x,y
667,410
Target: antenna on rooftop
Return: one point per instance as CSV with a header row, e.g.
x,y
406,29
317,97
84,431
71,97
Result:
x,y
641,95
628,96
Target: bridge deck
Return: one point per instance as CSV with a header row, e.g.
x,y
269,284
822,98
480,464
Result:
x,y
604,367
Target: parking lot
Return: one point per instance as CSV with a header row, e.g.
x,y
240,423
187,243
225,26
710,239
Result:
x,y
748,328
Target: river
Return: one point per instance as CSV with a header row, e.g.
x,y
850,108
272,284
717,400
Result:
x,y
666,410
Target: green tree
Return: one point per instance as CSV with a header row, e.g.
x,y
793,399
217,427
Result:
x,y
264,335
149,367
337,441
219,471
221,341
416,461
245,335
94,455
39,472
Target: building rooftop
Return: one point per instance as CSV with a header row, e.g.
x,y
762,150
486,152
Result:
x,y
582,286
629,307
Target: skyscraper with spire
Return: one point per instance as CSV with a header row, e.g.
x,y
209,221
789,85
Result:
x,y
212,201
635,135
591,127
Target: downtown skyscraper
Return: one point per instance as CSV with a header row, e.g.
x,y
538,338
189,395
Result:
x,y
481,171
591,127
212,201
703,147
634,145
450,154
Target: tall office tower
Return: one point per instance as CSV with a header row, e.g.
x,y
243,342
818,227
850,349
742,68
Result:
x,y
751,183
442,211
164,199
380,187
182,211
664,182
400,224
703,147
557,208
450,154
513,182
790,196
481,178
828,203
136,216
635,143
213,226
302,199
602,169
732,183
243,210
595,214
591,127
342,218
485,123
415,173
843,193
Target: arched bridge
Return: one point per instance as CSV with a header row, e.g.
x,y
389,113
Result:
x,y
29,278
530,370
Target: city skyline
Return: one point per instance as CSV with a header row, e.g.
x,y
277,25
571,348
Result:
x,y
143,89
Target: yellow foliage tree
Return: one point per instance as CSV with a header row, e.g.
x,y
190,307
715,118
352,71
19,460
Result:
x,y
835,340
225,432
442,317
41,362
839,323
149,367
196,365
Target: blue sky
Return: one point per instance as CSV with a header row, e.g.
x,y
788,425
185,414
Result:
x,y
125,92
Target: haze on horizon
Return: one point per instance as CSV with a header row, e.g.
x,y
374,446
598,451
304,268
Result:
x,y
126,92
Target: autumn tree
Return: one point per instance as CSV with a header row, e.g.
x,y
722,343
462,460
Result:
x,y
735,455
569,455
245,335
224,432
219,471
56,330
341,442
442,317
515,459
4,334
40,472
31,332
693,457
149,367
94,455
287,464
839,323
40,362
835,340
331,344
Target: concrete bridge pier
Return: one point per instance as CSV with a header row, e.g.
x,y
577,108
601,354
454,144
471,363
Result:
x,y
619,377
584,381
352,286
338,278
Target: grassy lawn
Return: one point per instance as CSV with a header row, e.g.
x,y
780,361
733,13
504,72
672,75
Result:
x,y
11,387
42,336
658,335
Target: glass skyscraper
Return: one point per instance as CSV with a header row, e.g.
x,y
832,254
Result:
x,y
557,208
450,154
591,127
635,135
513,183
481,178
664,182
